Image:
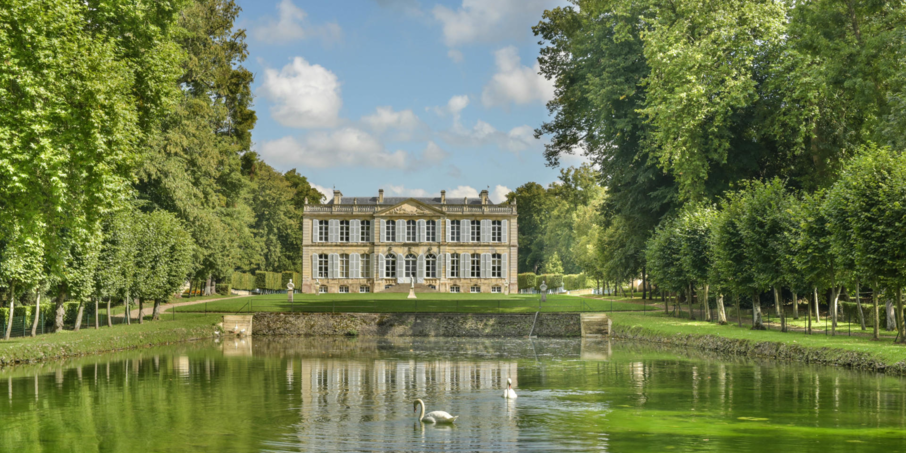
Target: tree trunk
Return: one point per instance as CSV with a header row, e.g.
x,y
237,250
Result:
x,y
738,313
141,307
901,326
644,284
721,310
780,312
891,316
12,307
155,314
707,303
817,306
757,323
109,321
874,302
795,305
37,316
808,312
207,289
60,312
78,318
835,295
859,306
691,298
97,316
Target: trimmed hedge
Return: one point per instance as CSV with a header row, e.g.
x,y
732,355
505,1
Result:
x,y
553,281
295,276
576,281
526,280
224,289
851,311
48,309
268,280
243,281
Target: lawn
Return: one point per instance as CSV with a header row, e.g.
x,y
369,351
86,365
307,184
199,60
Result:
x,y
884,349
426,303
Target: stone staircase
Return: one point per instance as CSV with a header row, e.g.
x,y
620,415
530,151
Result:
x,y
404,288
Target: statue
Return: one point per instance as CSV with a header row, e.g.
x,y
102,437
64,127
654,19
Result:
x,y
543,289
318,286
411,288
289,290
506,287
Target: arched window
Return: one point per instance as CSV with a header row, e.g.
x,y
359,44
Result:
x,y
411,231
411,266
476,265
431,266
390,266
431,231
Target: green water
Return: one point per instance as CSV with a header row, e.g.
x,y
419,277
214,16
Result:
x,y
356,395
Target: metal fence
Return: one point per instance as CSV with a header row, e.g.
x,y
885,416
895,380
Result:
x,y
21,325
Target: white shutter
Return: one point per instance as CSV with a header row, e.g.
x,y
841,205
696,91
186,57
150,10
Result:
x,y
465,265
504,269
373,266
354,266
447,230
314,230
485,265
503,231
421,267
379,225
465,231
422,231
332,230
314,266
401,231
449,261
355,230
381,266
486,231
331,266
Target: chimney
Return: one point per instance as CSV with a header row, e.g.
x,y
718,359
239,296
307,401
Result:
x,y
380,196
337,197
484,197
443,197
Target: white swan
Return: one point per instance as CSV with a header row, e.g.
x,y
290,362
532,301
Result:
x,y
433,416
509,393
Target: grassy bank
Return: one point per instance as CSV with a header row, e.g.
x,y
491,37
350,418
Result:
x,y
92,341
854,352
426,303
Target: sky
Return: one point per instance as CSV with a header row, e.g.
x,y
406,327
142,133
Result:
x,y
409,96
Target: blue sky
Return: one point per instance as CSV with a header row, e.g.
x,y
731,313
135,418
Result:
x,y
412,96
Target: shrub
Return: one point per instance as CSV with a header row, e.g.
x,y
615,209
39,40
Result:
x,y
526,280
71,309
261,280
243,281
851,311
553,281
224,289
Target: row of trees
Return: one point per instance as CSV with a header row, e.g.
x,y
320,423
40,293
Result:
x,y
125,118
765,237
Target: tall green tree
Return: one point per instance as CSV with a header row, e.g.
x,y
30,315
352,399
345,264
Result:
x,y
163,259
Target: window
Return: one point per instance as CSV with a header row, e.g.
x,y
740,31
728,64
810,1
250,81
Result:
x,y
454,289
454,265
322,289
365,263
411,265
365,231
323,230
496,231
496,266
495,289
431,231
344,289
431,266
476,231
389,231
411,231
322,265
476,266
475,289
455,229
390,266
364,289
344,231
343,271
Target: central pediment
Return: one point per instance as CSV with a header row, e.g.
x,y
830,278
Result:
x,y
410,207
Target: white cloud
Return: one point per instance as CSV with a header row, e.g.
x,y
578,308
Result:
x,y
405,124
489,21
346,147
498,195
514,82
402,191
328,193
408,7
518,139
462,191
455,55
431,156
454,107
304,95
291,25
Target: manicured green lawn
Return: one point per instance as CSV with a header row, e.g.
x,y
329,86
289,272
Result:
x,y
120,309
426,303
883,349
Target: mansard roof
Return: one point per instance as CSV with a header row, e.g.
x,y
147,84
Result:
x,y
390,201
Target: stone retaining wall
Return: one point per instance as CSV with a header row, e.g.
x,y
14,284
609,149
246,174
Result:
x,y
418,325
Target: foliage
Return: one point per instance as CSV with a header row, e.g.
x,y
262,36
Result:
x,y
526,280
163,258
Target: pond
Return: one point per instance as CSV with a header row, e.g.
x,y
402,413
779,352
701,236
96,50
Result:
x,y
325,394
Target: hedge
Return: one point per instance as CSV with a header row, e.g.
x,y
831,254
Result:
x,y
576,281
296,276
553,281
48,309
526,280
224,289
851,311
243,281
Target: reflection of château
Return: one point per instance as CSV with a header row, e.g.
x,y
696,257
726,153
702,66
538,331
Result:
x,y
371,244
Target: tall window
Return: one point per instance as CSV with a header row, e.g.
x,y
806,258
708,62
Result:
x,y
411,231
390,266
366,265
496,266
365,229
455,231
344,231
476,265
322,265
343,271
323,230
454,265
476,231
431,231
496,231
389,231
431,266
411,266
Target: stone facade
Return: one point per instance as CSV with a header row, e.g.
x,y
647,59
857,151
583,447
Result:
x,y
374,244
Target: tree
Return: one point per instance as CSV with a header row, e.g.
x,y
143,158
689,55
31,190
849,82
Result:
x,y
534,205
731,266
662,254
553,265
116,274
163,258
694,227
